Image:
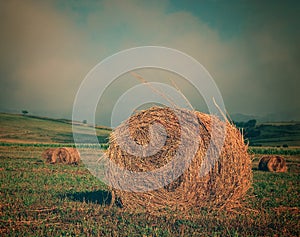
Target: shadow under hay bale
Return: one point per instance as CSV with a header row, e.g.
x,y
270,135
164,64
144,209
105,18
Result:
x,y
102,197
225,184
272,163
64,155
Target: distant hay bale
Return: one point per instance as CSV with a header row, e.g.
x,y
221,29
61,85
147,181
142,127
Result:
x,y
225,184
47,154
272,163
65,155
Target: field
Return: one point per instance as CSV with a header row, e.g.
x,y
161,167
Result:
x,y
32,129
39,199
277,134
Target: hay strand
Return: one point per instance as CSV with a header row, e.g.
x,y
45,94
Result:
x,y
181,94
155,90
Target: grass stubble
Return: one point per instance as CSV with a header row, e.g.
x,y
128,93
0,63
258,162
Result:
x,y
39,199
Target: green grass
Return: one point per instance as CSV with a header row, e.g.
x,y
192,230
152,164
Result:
x,y
47,130
81,145
252,150
41,130
274,150
277,134
39,199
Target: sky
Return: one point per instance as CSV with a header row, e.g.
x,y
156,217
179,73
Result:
x,y
250,48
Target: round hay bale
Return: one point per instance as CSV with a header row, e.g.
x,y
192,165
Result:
x,y
65,155
272,163
227,181
47,155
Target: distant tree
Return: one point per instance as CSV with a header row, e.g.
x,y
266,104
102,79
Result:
x,y
24,112
239,124
250,133
84,121
250,124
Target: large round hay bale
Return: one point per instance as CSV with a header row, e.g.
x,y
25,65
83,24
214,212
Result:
x,y
65,155
226,182
272,163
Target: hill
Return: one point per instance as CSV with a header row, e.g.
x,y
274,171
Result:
x,y
34,129
276,134
270,134
238,117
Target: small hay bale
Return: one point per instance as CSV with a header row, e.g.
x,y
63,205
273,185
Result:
x,y
65,155
47,155
272,163
225,184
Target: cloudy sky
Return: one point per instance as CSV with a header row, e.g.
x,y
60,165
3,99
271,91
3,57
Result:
x,y
251,49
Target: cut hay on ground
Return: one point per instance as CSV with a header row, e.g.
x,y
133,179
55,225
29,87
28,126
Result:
x,y
65,155
272,163
224,185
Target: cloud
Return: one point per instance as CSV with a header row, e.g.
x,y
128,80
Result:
x,y
41,62
271,47
49,46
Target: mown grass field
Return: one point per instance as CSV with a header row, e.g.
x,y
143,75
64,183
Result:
x,y
26,129
39,199
277,134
